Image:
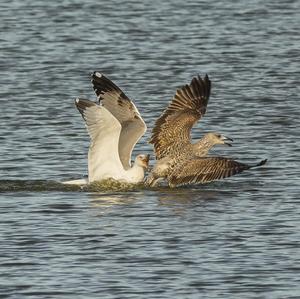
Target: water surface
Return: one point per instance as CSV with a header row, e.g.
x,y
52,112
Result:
x,y
238,238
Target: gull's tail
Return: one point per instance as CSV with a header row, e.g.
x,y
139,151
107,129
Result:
x,y
262,162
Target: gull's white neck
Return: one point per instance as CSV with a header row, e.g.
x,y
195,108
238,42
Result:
x,y
135,174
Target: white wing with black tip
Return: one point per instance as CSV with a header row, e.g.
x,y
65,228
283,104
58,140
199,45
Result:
x,y
123,109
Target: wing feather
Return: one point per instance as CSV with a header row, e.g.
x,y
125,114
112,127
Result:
x,y
204,170
104,130
124,110
171,131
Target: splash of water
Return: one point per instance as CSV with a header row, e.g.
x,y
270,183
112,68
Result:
x,y
112,185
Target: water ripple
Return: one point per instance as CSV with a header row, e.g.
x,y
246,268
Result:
x,y
237,238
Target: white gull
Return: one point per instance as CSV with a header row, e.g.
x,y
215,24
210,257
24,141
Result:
x,y
114,126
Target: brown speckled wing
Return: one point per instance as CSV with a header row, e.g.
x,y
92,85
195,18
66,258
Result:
x,y
204,170
171,131
124,110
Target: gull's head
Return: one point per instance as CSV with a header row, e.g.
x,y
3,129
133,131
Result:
x,y
217,138
142,160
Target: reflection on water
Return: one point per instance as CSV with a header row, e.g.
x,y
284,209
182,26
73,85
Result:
x,y
105,202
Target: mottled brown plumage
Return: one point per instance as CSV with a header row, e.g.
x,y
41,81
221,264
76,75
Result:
x,y
171,131
178,159
207,169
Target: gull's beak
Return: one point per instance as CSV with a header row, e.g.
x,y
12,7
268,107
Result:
x,y
146,161
226,140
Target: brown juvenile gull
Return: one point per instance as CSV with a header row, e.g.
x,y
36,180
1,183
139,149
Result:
x,y
180,161
114,125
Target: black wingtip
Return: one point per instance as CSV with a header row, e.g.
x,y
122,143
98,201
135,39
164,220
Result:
x,y
263,162
77,100
102,84
82,104
96,74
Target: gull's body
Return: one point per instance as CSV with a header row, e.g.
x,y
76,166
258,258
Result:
x,y
180,161
114,128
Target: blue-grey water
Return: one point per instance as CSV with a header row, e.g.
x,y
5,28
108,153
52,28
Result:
x,y
237,238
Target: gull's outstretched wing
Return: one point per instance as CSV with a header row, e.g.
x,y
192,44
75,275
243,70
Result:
x,y
204,170
124,110
172,129
104,130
